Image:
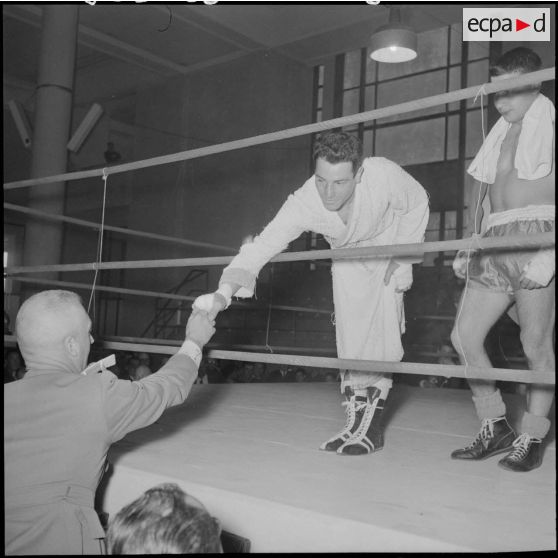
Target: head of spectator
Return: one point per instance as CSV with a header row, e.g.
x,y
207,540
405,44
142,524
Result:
x,y
144,358
7,330
14,367
53,331
300,375
330,377
164,520
275,376
259,371
142,371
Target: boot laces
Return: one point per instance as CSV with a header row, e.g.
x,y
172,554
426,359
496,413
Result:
x,y
485,435
521,446
369,408
350,412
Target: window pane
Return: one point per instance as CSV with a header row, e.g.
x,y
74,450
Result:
x,y
321,74
477,50
406,143
320,103
408,89
370,68
352,69
454,84
474,132
453,138
450,220
368,143
369,97
456,43
350,101
319,115
432,48
434,222
477,74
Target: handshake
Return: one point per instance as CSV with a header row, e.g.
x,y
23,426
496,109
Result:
x,y
201,325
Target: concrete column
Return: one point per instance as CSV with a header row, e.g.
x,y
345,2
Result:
x,y
53,113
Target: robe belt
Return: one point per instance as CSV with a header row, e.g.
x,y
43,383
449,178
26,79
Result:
x,y
48,494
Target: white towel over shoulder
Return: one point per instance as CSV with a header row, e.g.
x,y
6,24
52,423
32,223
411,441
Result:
x,y
534,155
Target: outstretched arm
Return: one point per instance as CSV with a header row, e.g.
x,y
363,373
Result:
x,y
239,277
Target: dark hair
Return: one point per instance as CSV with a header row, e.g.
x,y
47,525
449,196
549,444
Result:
x,y
161,521
338,147
520,59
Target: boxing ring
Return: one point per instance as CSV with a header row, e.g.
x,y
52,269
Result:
x,y
250,451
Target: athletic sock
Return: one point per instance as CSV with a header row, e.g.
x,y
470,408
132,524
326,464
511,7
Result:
x,y
490,406
535,426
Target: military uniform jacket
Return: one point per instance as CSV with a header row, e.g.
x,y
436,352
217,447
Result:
x,y
58,427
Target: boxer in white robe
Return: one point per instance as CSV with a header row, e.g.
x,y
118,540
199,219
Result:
x,y
351,204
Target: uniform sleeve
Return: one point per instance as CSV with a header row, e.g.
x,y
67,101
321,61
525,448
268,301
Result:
x,y
410,203
132,405
289,223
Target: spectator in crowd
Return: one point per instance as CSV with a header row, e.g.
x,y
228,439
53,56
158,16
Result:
x,y
244,373
331,377
275,376
144,359
300,375
7,330
210,372
164,520
14,368
142,371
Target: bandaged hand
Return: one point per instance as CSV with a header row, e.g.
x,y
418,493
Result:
x,y
212,303
462,258
403,276
539,271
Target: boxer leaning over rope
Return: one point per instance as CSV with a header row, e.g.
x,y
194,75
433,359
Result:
x,y
61,418
516,165
351,203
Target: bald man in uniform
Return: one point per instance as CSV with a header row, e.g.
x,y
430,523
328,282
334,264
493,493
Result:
x,y
60,420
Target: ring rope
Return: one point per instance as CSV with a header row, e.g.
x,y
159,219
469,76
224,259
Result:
x,y
99,243
280,348
517,241
393,110
120,230
171,296
408,368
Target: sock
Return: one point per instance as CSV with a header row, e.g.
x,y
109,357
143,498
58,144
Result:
x,y
535,426
384,385
490,406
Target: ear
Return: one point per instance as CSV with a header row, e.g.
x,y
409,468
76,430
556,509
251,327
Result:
x,y
71,346
358,174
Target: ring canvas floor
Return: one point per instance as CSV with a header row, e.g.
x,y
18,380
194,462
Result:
x,y
250,453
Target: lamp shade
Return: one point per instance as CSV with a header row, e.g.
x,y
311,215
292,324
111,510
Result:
x,y
393,43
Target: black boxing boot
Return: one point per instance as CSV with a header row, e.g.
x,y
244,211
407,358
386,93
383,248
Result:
x,y
350,425
495,436
526,455
368,437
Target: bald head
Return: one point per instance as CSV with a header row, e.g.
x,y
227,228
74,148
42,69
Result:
x,y
53,322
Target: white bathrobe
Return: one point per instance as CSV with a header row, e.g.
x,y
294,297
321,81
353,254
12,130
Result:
x,y
390,207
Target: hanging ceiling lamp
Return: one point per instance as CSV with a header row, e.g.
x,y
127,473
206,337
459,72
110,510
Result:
x,y
393,42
